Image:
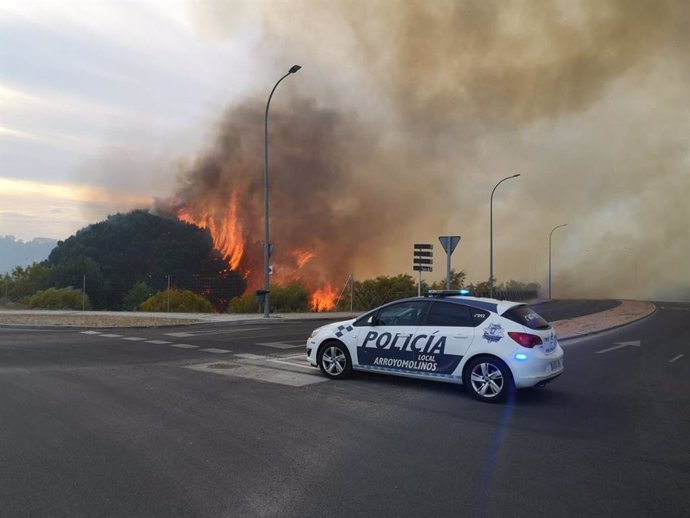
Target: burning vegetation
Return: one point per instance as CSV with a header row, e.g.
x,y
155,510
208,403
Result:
x,y
222,191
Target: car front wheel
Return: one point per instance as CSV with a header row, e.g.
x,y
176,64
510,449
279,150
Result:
x,y
489,379
334,360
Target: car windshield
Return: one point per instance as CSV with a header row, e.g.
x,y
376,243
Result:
x,y
527,317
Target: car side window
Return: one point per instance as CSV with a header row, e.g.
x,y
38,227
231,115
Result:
x,y
408,313
449,314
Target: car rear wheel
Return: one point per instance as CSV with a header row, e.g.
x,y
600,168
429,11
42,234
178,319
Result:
x,y
489,379
334,360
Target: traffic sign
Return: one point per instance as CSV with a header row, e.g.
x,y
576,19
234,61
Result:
x,y
423,260
449,243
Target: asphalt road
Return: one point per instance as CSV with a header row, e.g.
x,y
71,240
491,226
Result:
x,y
220,420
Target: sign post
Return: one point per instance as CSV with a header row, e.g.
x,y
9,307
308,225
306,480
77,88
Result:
x,y
448,243
423,259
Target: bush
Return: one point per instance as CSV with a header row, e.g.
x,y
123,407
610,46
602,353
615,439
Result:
x,y
181,301
136,295
283,299
245,304
291,298
63,298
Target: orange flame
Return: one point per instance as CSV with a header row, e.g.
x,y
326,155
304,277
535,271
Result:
x,y
227,233
303,257
324,298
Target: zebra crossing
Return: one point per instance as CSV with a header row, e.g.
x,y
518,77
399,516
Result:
x,y
281,366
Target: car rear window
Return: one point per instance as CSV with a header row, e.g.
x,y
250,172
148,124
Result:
x,y
526,316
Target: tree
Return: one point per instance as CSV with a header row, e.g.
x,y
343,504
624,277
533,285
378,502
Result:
x,y
136,295
126,249
375,292
24,282
457,281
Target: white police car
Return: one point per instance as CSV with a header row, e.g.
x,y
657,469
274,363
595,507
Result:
x,y
491,346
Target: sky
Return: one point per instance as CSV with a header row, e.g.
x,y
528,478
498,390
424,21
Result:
x,y
423,107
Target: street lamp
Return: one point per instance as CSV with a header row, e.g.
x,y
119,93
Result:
x,y
551,234
491,236
267,245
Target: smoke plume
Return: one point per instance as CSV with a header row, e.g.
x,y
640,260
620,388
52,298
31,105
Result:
x,y
410,112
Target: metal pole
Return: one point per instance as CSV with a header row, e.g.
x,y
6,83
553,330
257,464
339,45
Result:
x,y
83,294
447,269
551,234
267,245
352,291
168,293
491,235
419,286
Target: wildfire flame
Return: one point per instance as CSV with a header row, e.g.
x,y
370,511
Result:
x,y
227,235
229,239
324,298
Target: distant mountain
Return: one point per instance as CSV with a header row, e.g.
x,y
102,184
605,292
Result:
x,y
15,252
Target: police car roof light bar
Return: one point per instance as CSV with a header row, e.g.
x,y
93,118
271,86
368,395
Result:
x,y
446,293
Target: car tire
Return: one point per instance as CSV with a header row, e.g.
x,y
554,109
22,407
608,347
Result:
x,y
489,379
334,360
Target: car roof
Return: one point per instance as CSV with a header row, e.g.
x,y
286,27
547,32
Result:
x,y
493,305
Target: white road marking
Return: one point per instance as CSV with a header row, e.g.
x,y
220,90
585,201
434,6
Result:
x,y
292,357
282,345
215,351
304,365
134,338
157,342
253,372
184,346
91,332
112,336
676,358
237,329
250,356
668,308
634,343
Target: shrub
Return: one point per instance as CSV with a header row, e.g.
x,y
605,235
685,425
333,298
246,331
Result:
x,y
291,298
283,299
136,295
181,301
62,298
245,304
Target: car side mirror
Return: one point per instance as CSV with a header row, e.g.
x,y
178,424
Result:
x,y
373,321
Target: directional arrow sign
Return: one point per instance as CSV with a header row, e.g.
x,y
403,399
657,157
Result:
x,y
620,345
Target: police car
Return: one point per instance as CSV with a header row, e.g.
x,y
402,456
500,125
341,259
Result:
x,y
491,346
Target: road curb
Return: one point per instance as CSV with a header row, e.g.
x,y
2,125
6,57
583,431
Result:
x,y
626,313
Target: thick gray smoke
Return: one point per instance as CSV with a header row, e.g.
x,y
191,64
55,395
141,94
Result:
x,y
410,112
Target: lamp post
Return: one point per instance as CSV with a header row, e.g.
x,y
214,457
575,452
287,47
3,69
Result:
x,y
491,235
551,234
267,245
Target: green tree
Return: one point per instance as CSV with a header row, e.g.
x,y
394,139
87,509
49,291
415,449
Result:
x,y
457,281
136,295
142,247
374,292
24,282
179,301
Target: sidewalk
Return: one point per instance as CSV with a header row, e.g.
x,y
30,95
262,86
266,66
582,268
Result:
x,y
628,311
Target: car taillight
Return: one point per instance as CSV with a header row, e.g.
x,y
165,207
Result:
x,y
525,339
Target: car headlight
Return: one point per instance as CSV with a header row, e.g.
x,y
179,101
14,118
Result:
x,y
316,332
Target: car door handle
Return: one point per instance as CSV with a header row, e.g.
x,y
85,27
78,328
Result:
x,y
460,335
